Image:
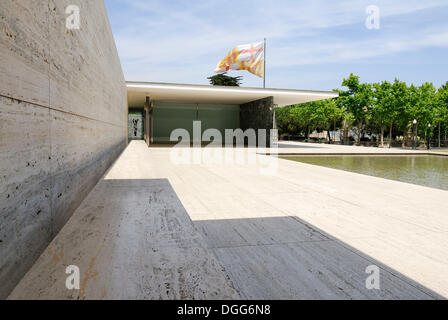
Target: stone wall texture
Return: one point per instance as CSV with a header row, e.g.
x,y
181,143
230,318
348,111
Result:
x,y
63,121
258,114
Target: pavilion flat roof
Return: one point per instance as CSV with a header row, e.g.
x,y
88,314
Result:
x,y
194,93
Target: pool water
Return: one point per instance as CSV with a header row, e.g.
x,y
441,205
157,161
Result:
x,y
425,170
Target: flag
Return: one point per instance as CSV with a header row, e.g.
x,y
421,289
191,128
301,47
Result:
x,y
248,57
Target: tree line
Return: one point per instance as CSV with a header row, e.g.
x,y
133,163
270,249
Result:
x,y
382,110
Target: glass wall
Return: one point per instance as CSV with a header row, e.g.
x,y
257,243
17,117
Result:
x,y
168,116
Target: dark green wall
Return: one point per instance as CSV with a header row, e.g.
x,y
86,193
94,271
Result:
x,y
258,115
168,116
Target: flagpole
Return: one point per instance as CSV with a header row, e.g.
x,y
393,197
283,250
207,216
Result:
x,y
264,67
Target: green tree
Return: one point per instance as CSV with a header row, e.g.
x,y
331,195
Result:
x,y
225,80
326,114
441,110
358,100
373,108
390,100
303,116
422,101
400,101
383,106
286,120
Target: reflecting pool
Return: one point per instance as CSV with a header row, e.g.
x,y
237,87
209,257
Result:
x,y
425,170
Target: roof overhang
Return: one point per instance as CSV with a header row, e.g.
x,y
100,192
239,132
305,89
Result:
x,y
192,93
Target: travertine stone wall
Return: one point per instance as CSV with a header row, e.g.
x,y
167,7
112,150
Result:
x,y
258,115
63,121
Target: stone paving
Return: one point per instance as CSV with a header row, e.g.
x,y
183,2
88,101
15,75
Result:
x,y
152,229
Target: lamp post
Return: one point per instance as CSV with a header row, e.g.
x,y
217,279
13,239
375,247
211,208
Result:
x,y
413,133
429,137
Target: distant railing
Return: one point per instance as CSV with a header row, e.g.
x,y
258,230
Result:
x,y
419,143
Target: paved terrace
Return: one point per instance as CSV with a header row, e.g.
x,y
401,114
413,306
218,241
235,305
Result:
x,y
154,230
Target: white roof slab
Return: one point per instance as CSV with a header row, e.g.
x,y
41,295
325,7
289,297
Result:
x,y
193,93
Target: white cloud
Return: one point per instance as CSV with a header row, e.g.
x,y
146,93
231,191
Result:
x,y
314,52
183,41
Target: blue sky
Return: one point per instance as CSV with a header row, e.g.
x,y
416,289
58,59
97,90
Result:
x,y
311,44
